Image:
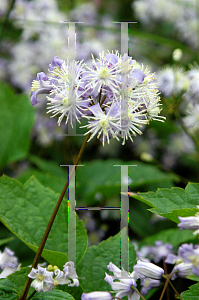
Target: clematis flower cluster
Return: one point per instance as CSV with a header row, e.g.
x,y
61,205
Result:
x,y
46,279
186,261
115,96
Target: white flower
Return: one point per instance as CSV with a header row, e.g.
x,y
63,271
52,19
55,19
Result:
x,y
66,94
7,256
192,119
103,73
43,279
9,269
126,284
70,272
104,123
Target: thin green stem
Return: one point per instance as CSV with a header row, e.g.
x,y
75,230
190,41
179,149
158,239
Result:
x,y
165,272
136,290
33,293
103,99
49,226
166,283
175,290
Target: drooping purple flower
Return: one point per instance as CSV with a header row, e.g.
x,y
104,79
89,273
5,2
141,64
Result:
x,y
190,223
148,270
39,86
183,270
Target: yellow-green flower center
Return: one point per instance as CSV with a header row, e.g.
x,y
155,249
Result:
x,y
104,73
65,101
40,277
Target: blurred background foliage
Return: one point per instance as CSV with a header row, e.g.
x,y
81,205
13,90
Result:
x,y
165,38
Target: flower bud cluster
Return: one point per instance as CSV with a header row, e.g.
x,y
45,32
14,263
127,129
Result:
x,y
46,279
115,96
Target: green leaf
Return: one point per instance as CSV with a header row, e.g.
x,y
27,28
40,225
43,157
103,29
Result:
x,y
48,166
53,295
193,277
141,222
56,183
18,280
75,291
172,203
192,293
6,241
16,120
7,290
174,236
26,210
94,263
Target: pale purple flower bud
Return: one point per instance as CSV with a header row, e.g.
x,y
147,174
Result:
x,y
190,223
56,62
148,270
183,270
96,296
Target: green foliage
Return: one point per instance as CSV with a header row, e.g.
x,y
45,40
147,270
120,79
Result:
x,y
172,203
53,295
192,293
7,290
16,120
26,210
5,241
94,263
108,179
18,279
